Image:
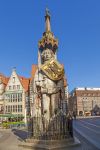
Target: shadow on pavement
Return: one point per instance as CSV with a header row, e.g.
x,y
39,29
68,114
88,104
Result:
x,y
20,133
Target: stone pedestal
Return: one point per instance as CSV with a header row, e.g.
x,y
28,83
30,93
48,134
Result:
x,y
68,144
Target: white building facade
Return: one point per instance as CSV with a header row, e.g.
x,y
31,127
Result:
x,y
16,96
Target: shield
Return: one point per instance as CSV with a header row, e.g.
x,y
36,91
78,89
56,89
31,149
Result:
x,y
53,69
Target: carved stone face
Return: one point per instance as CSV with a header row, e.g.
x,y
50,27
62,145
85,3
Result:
x,y
47,55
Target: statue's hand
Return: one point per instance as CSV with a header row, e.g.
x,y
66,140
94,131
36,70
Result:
x,y
44,90
53,90
50,91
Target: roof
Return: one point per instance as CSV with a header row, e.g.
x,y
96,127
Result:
x,y
86,92
4,79
65,82
34,68
87,88
11,115
25,82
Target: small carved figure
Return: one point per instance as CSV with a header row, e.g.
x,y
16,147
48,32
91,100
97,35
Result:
x,y
47,12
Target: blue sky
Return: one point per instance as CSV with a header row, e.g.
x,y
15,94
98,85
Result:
x,y
76,23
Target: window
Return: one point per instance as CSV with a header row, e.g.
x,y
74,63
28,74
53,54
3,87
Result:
x,y
27,98
18,87
89,94
19,108
15,97
13,79
14,87
8,108
9,87
7,97
13,108
11,96
19,97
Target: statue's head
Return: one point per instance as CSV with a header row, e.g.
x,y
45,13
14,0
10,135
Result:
x,y
47,54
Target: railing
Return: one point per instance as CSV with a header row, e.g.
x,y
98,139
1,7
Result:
x,y
59,127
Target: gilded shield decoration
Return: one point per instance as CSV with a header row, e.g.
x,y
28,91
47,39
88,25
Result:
x,y
53,69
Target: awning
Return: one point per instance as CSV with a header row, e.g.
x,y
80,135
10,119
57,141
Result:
x,y
11,115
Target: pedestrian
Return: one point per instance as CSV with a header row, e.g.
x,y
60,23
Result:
x,y
70,124
74,115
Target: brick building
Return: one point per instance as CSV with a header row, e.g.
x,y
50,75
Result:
x,y
85,101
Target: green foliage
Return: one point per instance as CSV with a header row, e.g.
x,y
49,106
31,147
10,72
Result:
x,y
8,124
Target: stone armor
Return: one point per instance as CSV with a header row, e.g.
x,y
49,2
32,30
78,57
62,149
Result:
x,y
52,95
48,84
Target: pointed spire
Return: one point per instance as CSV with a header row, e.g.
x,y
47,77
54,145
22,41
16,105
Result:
x,y
48,40
14,69
47,20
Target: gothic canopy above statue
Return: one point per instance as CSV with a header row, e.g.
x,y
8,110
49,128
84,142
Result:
x,y
48,40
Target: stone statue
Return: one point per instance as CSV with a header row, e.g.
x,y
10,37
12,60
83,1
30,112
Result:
x,y
48,84
49,94
51,127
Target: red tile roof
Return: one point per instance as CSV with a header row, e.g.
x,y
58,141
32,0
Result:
x,y
65,82
34,68
25,82
4,79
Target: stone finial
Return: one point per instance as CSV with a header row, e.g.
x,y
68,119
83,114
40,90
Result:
x,y
47,12
47,20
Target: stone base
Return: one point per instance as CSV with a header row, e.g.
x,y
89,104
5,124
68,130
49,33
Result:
x,y
69,144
